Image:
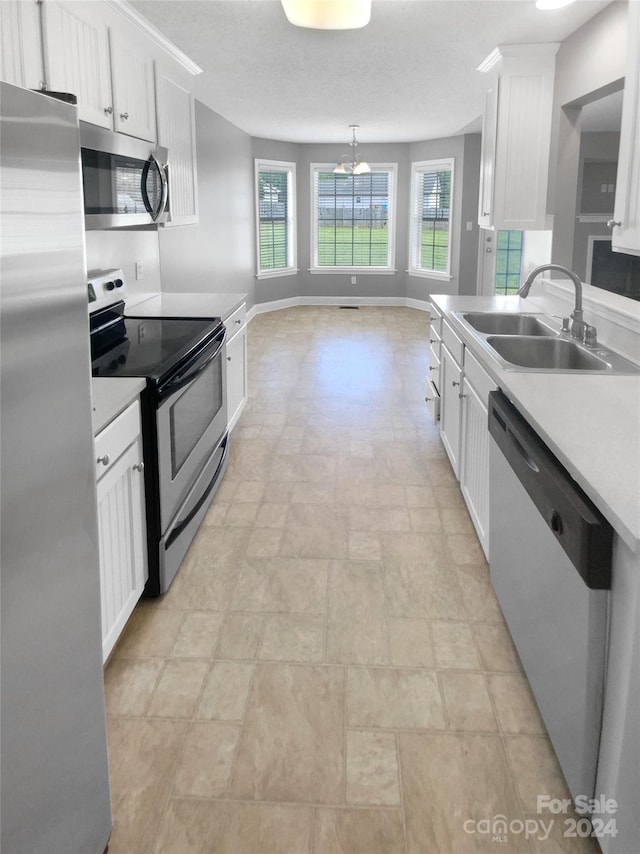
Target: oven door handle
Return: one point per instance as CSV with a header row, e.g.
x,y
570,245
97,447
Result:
x,y
195,367
175,533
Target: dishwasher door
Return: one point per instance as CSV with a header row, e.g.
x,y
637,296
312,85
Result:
x,y
551,570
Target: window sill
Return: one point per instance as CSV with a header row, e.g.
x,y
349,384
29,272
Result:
x,y
276,274
359,271
431,274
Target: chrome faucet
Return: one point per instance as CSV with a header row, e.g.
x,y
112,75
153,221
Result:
x,y
575,324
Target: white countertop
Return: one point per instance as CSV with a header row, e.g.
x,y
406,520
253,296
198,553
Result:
x,y
591,422
110,396
184,305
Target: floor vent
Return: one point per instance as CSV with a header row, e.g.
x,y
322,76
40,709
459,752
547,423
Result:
x,y
354,307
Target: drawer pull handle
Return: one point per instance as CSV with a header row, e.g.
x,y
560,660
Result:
x,y
104,460
138,467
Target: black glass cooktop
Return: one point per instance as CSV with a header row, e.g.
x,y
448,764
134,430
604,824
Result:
x,y
147,347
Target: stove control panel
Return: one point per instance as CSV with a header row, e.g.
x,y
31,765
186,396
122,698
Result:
x,y
105,287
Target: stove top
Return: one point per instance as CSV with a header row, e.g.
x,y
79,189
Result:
x,y
138,346
147,347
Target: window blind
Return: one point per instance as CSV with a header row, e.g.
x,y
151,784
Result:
x,y
432,191
353,219
275,209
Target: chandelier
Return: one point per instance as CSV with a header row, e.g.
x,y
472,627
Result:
x,y
350,164
328,14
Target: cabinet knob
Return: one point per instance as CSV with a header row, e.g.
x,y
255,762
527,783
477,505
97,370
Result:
x,y
454,383
485,213
228,358
238,321
433,367
461,396
104,460
138,467
124,116
108,110
432,340
427,399
613,223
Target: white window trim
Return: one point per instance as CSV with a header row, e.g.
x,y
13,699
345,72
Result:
x,y
292,261
421,166
389,268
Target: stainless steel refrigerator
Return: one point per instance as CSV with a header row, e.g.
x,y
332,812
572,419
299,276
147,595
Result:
x,y
54,775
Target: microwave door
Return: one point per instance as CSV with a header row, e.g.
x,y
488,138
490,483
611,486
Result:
x,y
154,188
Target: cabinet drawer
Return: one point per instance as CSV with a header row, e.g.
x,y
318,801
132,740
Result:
x,y
436,321
434,364
236,320
116,437
452,342
477,377
432,398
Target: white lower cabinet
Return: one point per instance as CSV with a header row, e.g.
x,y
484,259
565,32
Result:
x,y
451,407
121,522
236,353
464,429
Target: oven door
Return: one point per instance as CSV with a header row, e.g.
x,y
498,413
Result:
x,y
191,418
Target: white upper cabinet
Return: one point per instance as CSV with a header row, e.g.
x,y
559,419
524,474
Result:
x,y
76,57
20,44
133,77
625,236
111,71
176,131
516,139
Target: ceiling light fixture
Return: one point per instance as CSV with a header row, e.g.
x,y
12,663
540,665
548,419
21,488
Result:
x,y
349,163
328,14
550,5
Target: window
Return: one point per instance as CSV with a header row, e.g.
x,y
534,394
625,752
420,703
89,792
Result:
x,y
430,227
508,261
353,219
275,217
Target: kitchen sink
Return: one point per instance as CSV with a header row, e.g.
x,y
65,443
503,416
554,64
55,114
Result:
x,y
501,323
547,354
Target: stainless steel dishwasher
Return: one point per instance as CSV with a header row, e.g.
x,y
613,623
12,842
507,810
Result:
x,y
551,569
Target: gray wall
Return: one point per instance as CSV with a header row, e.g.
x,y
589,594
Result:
x,y
590,64
397,285
218,254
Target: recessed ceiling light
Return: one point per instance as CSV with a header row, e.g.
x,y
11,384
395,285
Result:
x,y
549,5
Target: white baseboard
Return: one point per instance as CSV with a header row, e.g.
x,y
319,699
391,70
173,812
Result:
x,y
291,302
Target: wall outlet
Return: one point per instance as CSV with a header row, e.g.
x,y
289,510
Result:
x,y
353,280
139,270
469,226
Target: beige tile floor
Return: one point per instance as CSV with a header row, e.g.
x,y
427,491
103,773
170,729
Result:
x,y
330,671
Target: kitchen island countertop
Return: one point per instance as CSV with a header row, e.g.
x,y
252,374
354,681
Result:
x,y
589,421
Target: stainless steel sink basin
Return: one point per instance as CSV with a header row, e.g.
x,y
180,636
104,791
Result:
x,y
501,323
550,354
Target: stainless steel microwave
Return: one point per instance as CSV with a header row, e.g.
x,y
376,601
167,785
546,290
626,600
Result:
x,y
125,180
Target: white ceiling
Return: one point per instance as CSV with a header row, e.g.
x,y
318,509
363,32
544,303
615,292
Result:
x,y
409,75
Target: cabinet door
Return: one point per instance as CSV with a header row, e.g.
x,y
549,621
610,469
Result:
x,y
133,76
487,158
76,57
121,524
474,469
450,407
20,43
176,131
626,236
236,376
